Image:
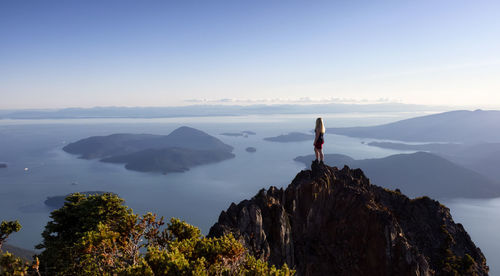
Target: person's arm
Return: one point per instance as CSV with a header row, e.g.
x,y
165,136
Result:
x,y
316,137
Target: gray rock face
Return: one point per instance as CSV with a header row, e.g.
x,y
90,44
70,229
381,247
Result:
x,y
334,222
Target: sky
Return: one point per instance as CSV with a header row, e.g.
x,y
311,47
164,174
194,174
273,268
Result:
x,y
68,53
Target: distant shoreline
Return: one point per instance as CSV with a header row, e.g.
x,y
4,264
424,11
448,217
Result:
x,y
120,117
212,110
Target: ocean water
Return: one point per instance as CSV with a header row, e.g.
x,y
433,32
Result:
x,y
199,195
481,219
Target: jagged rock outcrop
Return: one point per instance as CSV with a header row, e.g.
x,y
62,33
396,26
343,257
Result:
x,y
334,222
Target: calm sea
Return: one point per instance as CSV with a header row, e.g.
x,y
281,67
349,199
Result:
x,y
38,168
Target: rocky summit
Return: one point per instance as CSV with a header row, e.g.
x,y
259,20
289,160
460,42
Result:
x,y
334,222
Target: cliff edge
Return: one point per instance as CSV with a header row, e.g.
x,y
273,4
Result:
x,y
334,222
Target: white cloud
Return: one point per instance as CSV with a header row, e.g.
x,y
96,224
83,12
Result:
x,y
301,100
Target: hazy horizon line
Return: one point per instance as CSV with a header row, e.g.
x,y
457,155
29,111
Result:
x,y
251,104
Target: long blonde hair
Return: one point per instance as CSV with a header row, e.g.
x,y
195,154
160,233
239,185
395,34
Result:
x,y
320,126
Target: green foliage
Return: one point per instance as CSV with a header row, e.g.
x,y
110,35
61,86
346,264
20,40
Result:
x,y
99,251
76,223
139,269
180,230
188,253
452,264
7,228
426,198
97,235
12,265
256,267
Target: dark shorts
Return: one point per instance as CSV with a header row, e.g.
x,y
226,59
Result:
x,y
319,144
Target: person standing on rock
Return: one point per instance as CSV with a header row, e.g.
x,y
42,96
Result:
x,y
319,140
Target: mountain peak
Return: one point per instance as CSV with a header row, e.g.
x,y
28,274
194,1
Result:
x,y
459,126
332,221
186,130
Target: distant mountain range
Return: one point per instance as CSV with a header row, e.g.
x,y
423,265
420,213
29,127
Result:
x,y
468,138
419,174
456,126
182,149
483,158
207,110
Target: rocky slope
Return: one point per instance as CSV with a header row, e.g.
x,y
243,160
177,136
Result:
x,y
334,222
418,174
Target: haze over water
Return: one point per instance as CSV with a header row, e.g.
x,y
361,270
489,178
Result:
x,y
199,195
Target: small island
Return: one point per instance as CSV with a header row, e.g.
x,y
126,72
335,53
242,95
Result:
x,y
56,202
251,149
244,133
3,165
182,149
232,134
291,137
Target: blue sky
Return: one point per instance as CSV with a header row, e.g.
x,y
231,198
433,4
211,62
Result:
x,y
163,53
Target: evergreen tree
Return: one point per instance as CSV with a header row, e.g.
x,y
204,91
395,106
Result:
x,y
80,215
10,264
7,228
98,235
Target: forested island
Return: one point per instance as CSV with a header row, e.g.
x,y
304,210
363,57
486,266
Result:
x,y
251,149
244,133
179,151
291,137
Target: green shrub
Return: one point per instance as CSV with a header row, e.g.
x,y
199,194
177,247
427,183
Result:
x,y
98,235
7,228
10,264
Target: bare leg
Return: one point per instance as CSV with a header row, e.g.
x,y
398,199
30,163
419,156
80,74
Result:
x,y
316,152
321,156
